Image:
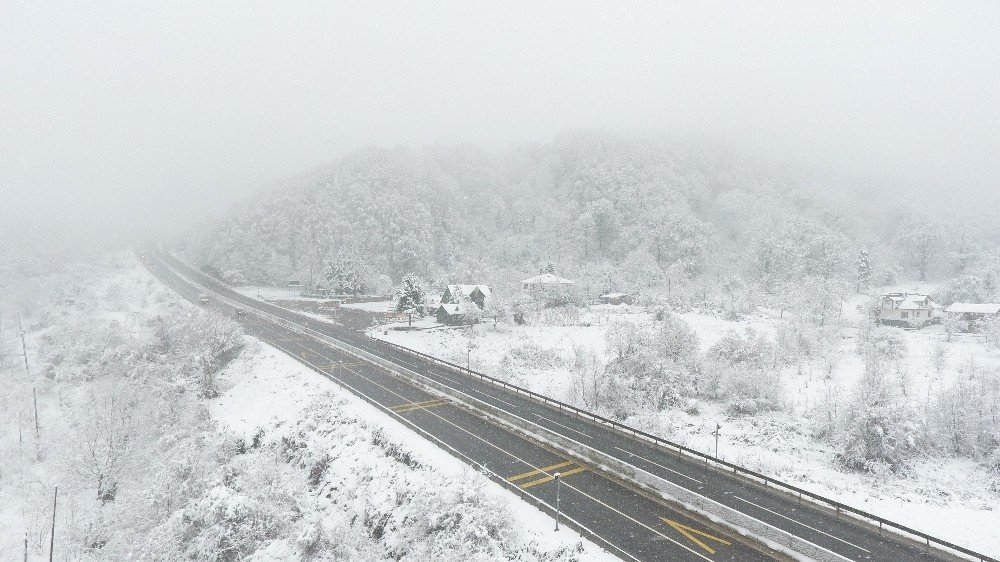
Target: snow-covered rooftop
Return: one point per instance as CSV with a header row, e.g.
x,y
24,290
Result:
x,y
974,308
466,290
910,301
547,279
613,295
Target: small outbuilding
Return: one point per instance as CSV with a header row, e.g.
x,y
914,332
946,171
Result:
x,y
544,281
616,298
971,315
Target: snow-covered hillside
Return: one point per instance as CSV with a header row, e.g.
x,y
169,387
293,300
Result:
x,y
170,435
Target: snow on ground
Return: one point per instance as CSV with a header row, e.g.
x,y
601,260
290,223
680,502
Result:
x,y
261,389
374,306
273,293
949,498
267,389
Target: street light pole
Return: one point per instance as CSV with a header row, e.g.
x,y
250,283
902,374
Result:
x,y
716,434
557,500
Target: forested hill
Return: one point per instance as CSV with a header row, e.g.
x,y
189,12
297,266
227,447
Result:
x,y
617,213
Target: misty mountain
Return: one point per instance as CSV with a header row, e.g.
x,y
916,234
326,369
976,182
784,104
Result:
x,y
633,213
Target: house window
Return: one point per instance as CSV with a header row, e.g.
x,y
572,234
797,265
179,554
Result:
x,y
904,314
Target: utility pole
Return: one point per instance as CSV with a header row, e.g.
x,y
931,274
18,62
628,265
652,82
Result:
x,y
716,434
24,348
557,500
34,397
52,537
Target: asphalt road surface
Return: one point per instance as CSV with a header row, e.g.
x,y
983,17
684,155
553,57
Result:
x,y
625,519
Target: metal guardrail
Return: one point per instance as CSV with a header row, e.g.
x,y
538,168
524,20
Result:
x,y
838,507
513,488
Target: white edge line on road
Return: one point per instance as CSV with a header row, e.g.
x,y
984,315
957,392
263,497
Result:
x,y
659,465
564,426
363,352
797,522
417,428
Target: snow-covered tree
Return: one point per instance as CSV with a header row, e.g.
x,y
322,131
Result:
x,y
347,274
863,268
410,296
880,429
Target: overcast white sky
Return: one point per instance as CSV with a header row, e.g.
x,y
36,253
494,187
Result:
x,y
123,111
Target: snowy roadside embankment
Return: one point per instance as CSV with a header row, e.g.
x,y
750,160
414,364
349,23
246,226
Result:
x,y
170,435
404,498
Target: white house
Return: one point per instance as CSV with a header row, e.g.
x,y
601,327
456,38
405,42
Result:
x,y
908,310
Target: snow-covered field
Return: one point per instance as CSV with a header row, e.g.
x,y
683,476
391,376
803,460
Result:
x,y
264,458
269,391
956,499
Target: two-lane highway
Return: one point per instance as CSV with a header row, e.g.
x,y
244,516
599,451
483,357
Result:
x,y
635,523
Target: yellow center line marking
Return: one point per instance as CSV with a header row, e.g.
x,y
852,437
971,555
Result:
x,y
690,533
551,478
513,456
538,471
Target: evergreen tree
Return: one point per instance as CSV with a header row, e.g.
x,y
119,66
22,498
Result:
x,y
410,296
864,268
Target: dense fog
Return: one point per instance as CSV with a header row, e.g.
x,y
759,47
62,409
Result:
x,y
157,116
375,281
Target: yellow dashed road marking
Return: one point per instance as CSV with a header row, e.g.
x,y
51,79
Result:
x,y
517,477
548,479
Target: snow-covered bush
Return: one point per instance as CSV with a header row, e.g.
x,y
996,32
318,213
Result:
x,y
879,430
991,330
749,348
677,341
880,346
964,418
739,367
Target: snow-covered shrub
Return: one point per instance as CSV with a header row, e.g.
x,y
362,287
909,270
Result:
x,y
749,348
752,390
990,328
639,379
879,430
563,315
739,367
535,356
677,341
964,418
880,346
